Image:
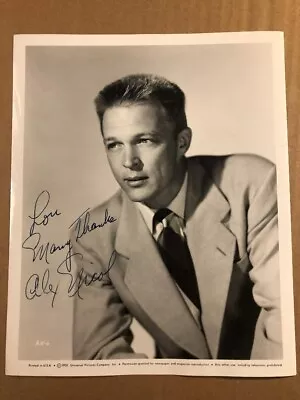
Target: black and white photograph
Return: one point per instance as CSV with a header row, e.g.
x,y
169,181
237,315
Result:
x,y
150,208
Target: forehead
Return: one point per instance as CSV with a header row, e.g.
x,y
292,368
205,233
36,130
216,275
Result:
x,y
132,119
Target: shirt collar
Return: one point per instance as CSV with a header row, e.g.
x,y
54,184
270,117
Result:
x,y
177,205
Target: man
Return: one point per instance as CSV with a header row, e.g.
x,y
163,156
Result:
x,y
191,248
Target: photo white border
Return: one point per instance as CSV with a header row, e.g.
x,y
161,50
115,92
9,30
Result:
x,y
14,366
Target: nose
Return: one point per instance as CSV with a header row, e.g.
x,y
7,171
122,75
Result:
x,y
131,159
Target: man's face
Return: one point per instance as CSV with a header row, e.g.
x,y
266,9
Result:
x,y
142,151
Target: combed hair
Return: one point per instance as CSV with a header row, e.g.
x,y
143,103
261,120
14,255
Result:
x,y
139,88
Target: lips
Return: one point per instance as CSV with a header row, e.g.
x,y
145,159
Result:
x,y
136,181
136,178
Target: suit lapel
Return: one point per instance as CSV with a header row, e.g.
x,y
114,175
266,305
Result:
x,y
212,247
149,282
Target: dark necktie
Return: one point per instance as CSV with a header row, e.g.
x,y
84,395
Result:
x,y
175,253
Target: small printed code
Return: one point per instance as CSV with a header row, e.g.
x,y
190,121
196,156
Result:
x,y
42,343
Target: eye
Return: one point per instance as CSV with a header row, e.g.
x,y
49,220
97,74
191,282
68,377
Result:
x,y
113,145
145,141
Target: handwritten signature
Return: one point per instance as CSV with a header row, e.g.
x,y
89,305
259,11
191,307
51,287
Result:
x,y
38,285
85,226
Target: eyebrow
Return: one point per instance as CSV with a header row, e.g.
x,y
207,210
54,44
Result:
x,y
110,139
137,136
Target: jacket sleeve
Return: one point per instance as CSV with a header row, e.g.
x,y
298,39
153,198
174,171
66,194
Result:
x,y
263,253
101,322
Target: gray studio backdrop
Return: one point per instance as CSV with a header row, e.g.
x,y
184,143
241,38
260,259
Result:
x,y
229,108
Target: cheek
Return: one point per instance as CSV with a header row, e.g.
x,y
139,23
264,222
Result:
x,y
165,155
114,164
163,167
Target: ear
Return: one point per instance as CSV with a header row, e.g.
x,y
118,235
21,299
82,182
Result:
x,y
183,141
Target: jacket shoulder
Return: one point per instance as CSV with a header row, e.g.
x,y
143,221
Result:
x,y
246,162
238,172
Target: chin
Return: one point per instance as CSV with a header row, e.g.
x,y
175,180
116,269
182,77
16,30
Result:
x,y
138,197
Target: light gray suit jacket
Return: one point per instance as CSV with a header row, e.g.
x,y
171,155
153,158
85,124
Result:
x,y
231,229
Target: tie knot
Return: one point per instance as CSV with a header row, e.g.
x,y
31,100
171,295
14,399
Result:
x,y
161,214
159,218
165,217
